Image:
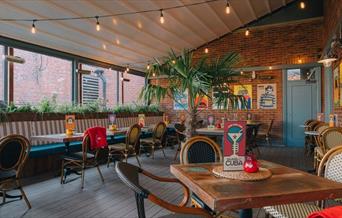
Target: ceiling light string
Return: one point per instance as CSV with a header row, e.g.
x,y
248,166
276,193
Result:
x,y
98,27
33,28
227,7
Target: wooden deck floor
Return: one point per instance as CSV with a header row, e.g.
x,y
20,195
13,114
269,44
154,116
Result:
x,y
113,199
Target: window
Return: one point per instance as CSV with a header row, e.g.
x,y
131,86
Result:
x,y
100,85
2,73
301,74
40,77
132,88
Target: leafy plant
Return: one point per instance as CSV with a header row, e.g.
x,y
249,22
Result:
x,y
197,78
47,106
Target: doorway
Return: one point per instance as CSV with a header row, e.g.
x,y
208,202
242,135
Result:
x,y
302,101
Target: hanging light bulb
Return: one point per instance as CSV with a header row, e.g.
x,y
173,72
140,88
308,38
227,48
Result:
x,y
247,32
162,20
148,66
302,5
98,28
33,29
127,69
206,50
173,61
227,8
153,74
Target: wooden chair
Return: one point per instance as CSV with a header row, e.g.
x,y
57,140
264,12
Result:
x,y
310,140
251,135
330,168
157,140
179,128
266,135
129,175
14,150
81,161
318,150
200,149
130,147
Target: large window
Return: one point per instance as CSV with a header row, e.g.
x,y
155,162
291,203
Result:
x,y
132,88
100,85
40,77
2,74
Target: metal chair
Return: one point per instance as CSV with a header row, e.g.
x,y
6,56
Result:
x,y
200,149
81,161
129,175
267,134
330,168
130,147
157,140
14,150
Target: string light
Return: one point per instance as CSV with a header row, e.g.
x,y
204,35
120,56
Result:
x,y
162,20
104,46
173,61
241,72
117,41
247,32
302,5
206,50
227,8
127,69
33,29
154,75
148,66
98,28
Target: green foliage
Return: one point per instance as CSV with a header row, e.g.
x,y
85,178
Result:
x,y
47,106
197,78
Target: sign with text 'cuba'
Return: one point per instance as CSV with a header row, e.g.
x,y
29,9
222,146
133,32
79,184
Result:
x,y
234,145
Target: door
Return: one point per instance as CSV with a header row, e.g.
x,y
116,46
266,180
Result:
x,y
302,102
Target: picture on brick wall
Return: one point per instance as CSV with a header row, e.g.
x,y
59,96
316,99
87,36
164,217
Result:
x,y
181,101
202,102
336,87
215,105
267,96
246,92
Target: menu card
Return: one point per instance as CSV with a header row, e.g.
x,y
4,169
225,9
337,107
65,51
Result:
x,y
70,123
234,145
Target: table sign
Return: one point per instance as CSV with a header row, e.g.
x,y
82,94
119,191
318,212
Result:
x,y
112,122
70,124
234,145
141,120
211,121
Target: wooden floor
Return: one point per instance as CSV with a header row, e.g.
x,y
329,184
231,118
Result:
x,y
113,199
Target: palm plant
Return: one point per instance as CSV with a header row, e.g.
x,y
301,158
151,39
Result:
x,y
197,79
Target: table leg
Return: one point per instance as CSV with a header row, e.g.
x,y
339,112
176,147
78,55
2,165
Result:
x,y
246,213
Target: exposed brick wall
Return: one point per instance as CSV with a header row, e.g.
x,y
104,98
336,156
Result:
x,y
266,46
332,16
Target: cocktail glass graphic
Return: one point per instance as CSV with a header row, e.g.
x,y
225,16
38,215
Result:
x,y
234,136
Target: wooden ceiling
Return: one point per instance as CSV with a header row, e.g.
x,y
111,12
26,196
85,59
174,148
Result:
x,y
131,39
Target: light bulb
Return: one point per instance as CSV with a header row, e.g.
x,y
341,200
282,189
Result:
x,y
302,5
270,67
98,28
148,66
241,72
127,69
227,8
33,29
153,74
162,20
117,41
173,61
300,61
247,32
104,46
253,75
206,50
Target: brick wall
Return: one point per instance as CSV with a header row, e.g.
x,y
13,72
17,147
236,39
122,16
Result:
x,y
266,46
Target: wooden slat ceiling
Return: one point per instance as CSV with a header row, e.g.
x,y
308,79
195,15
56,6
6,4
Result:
x,y
132,39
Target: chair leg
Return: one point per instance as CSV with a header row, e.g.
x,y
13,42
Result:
x,y
62,172
3,196
152,151
162,148
109,159
137,160
23,194
82,176
98,170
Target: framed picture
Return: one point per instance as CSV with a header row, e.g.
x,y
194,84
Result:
x,y
267,96
246,92
181,101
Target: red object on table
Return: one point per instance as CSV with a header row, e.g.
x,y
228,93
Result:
x,y
332,212
218,124
251,165
98,137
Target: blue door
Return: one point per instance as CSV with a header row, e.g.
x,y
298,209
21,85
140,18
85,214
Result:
x,y
302,102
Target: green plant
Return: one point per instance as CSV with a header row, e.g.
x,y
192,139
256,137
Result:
x,y
197,79
47,106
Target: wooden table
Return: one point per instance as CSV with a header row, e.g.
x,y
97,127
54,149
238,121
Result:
x,y
286,186
218,131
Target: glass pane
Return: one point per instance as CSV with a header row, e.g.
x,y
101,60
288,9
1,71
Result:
x,y
301,74
40,77
132,88
100,85
2,82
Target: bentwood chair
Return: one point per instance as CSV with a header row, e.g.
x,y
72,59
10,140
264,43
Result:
x,y
157,140
180,135
130,147
266,135
200,149
81,161
14,150
330,168
309,139
129,175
